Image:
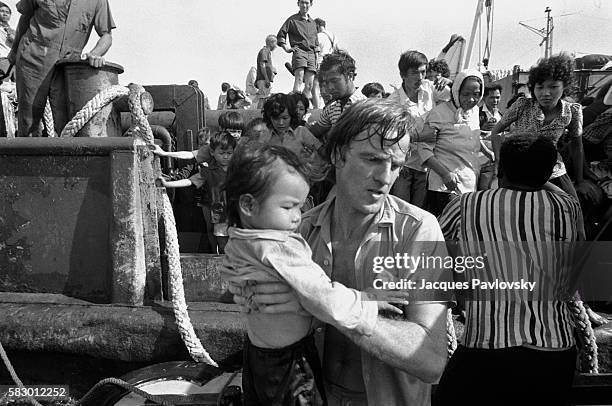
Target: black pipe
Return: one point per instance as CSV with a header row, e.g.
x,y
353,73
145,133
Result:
x,y
162,134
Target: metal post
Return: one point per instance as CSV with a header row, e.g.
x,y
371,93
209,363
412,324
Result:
x,y
547,38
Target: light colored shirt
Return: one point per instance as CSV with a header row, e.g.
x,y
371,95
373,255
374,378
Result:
x,y
397,228
327,44
272,255
502,319
527,116
456,147
427,98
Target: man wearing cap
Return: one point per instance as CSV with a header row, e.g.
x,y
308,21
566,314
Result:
x,y
49,31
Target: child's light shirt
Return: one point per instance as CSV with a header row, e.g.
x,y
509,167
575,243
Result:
x,y
272,256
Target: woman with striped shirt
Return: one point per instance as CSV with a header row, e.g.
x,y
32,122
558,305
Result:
x,y
518,347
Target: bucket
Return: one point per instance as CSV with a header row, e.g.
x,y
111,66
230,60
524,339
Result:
x,y
81,83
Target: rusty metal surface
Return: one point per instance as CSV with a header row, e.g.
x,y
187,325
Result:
x,y
126,333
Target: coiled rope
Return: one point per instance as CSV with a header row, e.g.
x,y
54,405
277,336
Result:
x,y
586,338
48,120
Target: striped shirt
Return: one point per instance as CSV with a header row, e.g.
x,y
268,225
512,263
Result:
x,y
331,113
514,231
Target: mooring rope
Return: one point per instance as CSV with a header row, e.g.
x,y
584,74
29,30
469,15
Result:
x,y
587,344
48,120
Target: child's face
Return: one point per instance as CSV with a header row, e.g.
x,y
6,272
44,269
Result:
x,y
300,110
469,95
258,131
281,122
280,208
548,93
222,156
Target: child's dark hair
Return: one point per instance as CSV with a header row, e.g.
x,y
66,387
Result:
x,y
225,86
252,124
372,89
557,67
527,159
292,101
274,107
341,61
231,120
222,139
251,171
439,66
411,60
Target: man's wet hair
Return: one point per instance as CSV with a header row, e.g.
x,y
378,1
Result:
x,y
339,60
491,87
411,60
378,116
222,139
252,171
527,159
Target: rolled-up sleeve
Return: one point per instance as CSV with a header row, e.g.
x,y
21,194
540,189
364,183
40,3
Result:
x,y
103,20
281,37
330,302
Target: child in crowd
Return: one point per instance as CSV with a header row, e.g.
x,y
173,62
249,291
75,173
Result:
x,y
547,114
373,90
266,186
298,105
453,156
236,99
209,180
256,129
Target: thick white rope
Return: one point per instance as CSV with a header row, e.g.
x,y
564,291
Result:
x,y
92,107
142,129
451,335
48,120
587,345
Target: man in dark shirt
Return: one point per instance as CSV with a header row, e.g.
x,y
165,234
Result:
x,y
265,69
302,31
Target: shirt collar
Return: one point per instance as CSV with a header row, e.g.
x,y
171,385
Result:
x,y
385,217
253,234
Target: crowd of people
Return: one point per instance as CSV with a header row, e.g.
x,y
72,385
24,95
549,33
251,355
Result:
x,y
306,198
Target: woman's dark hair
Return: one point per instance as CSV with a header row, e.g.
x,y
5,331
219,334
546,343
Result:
x,y
439,66
222,139
225,87
251,171
274,107
527,159
231,120
292,101
557,67
371,89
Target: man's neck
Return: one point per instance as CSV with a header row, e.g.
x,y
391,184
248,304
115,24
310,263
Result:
x,y
349,93
347,223
412,94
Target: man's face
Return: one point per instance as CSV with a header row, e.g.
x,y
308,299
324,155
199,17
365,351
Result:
x,y
304,6
492,99
272,44
413,78
335,84
367,172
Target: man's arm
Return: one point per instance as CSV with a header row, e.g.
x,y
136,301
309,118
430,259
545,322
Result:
x,y
417,346
96,55
22,27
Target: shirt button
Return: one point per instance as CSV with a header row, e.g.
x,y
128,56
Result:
x,y
326,262
319,329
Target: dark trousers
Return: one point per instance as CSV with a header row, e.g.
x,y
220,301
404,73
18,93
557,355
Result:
x,y
507,376
411,186
437,201
289,376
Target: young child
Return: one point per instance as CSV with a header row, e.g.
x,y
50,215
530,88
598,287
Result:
x,y
453,156
210,180
298,105
373,90
255,130
265,187
549,115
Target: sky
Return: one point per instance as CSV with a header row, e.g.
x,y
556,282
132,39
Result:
x,y
173,41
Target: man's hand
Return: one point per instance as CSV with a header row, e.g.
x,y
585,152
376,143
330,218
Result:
x,y
451,181
287,49
271,298
387,299
11,57
589,191
95,61
441,83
